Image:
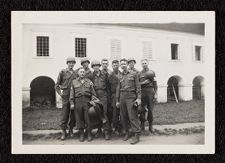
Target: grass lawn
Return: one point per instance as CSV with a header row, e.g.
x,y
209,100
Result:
x,y
167,113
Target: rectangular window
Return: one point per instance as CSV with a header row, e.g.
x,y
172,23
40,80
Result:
x,y
174,51
80,47
42,45
198,53
147,49
115,48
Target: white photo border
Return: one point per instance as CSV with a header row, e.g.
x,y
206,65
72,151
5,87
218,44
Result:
x,y
18,18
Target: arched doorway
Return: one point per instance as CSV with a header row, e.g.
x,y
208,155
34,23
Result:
x,y
42,93
197,88
173,88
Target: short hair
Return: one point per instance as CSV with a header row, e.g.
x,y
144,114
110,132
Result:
x,y
104,59
115,61
124,59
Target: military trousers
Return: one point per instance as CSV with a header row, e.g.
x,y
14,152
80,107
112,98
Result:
x,y
128,113
81,112
147,95
103,98
67,115
116,113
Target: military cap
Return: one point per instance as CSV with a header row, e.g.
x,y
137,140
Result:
x,y
83,60
115,61
94,63
131,59
123,59
70,59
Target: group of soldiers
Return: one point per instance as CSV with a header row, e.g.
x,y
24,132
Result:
x,y
109,101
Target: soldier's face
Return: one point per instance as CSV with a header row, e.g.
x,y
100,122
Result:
x,y
115,66
144,63
105,64
131,64
70,65
96,68
123,65
85,65
81,73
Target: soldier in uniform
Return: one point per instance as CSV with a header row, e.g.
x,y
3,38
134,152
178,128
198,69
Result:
x,y
101,84
148,92
131,64
81,93
128,94
114,81
105,65
85,64
88,73
63,84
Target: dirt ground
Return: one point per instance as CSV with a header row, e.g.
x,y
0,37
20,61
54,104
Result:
x,y
150,140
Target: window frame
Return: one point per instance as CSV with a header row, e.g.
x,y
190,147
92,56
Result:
x,y
201,53
121,47
34,44
178,51
141,40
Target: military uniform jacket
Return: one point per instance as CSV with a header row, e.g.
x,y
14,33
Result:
x,y
134,70
64,80
81,87
114,81
100,81
128,82
142,77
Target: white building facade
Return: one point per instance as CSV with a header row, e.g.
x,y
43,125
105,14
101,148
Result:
x,y
176,57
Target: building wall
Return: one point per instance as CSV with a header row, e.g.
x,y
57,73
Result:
x,y
61,46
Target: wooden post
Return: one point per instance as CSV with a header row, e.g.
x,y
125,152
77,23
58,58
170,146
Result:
x,y
175,93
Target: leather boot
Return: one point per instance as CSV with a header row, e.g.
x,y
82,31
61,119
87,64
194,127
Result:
x,y
107,136
71,132
135,139
81,132
126,136
63,136
142,126
99,133
89,135
150,128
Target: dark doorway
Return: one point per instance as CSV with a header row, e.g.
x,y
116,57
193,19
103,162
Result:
x,y
42,94
197,88
172,85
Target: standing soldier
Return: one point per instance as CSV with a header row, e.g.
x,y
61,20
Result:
x,y
128,95
131,63
105,70
85,64
114,81
101,84
63,83
81,93
148,92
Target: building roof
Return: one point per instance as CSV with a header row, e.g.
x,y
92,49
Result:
x,y
194,28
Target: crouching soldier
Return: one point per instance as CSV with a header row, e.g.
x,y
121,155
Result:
x,y
101,86
81,93
128,95
148,92
63,83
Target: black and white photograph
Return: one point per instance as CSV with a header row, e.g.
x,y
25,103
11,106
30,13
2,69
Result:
x,y
113,82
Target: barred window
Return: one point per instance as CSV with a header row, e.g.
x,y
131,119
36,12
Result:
x,y
115,45
80,47
174,51
42,45
147,49
198,53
